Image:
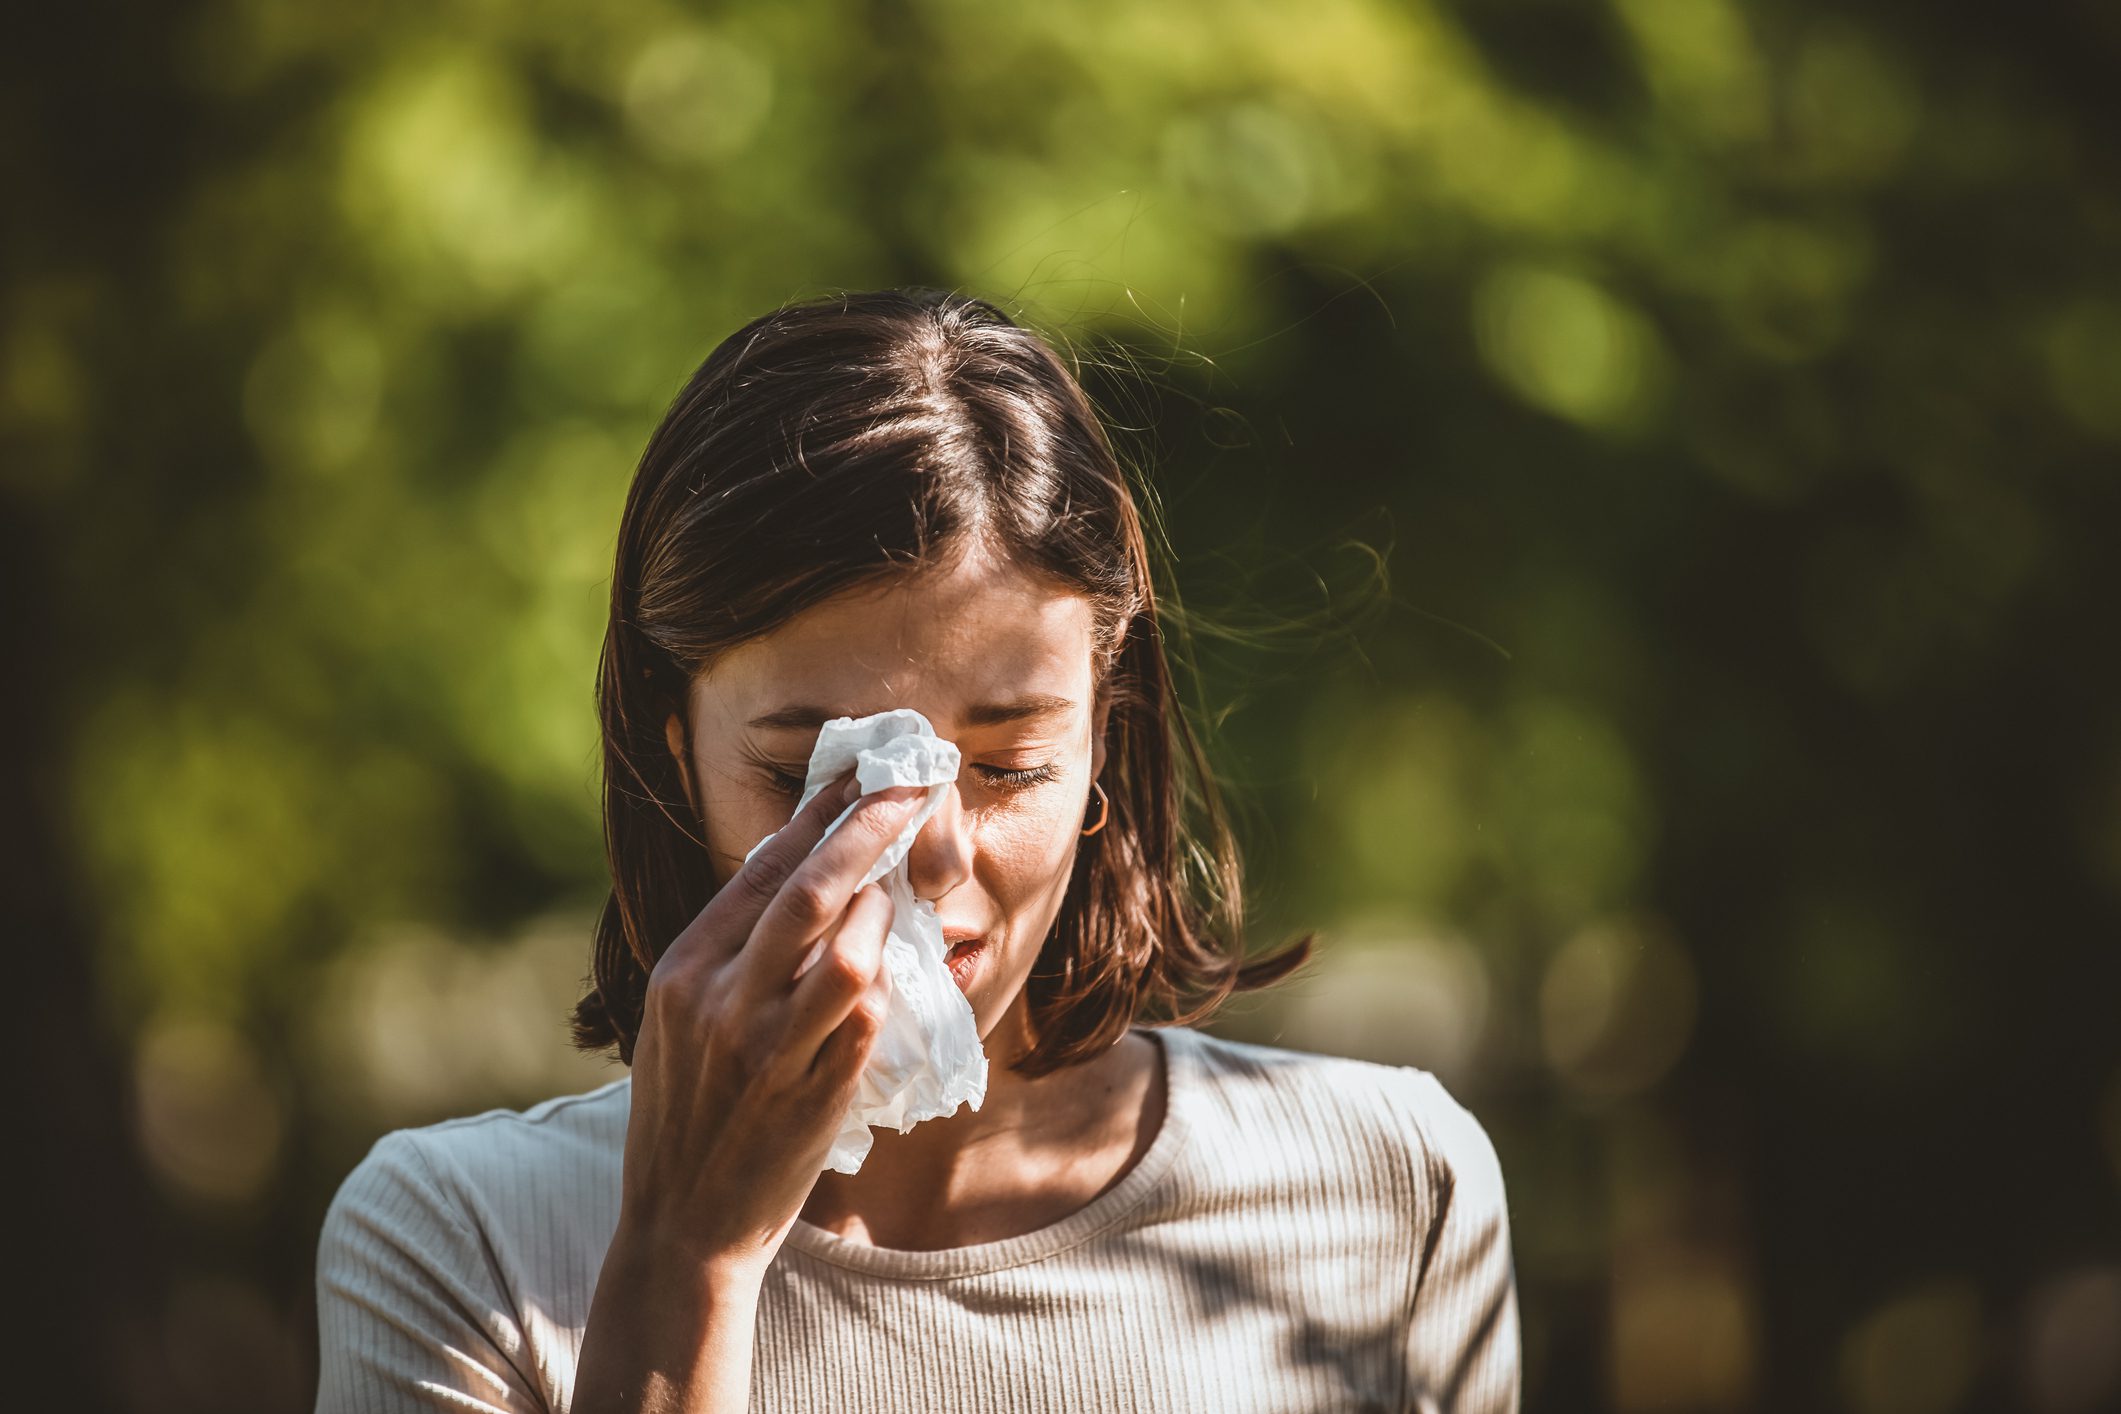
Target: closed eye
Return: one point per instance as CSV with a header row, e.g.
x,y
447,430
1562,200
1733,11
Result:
x,y
787,783
1019,779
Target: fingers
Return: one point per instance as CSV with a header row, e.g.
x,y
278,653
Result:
x,y
846,971
846,1051
817,893
723,925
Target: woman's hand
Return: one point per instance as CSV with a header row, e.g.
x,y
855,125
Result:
x,y
743,1071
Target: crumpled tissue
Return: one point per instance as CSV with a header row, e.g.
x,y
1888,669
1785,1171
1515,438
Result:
x,y
927,1059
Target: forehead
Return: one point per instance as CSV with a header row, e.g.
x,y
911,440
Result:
x,y
941,639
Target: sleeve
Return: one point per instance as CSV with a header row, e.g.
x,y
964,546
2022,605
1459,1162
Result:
x,y
410,1314
1462,1342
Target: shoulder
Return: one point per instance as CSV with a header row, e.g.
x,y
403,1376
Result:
x,y
470,1171
449,1264
1396,1121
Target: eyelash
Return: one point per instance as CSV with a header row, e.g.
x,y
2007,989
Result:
x,y
1007,779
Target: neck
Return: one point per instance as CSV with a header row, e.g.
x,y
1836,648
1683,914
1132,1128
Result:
x,y
1035,1149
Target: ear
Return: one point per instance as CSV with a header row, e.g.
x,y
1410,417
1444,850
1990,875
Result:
x,y
674,738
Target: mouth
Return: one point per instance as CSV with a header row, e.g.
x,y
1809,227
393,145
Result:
x,y
964,960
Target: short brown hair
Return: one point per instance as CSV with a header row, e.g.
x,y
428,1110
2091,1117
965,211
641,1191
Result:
x,y
844,439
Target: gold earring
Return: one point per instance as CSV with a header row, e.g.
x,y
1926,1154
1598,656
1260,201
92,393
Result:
x,y
1104,812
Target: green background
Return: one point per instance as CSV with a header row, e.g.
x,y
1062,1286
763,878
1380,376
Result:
x,y
1642,481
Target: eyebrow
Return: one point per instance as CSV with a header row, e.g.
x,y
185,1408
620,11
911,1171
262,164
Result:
x,y
985,714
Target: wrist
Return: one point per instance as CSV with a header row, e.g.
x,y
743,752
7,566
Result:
x,y
669,1327
661,1253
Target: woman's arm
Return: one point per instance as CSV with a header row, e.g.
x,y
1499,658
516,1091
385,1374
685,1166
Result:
x,y
674,1333
741,1075
1462,1341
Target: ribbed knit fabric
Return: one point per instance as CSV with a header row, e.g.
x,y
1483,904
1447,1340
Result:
x,y
1304,1233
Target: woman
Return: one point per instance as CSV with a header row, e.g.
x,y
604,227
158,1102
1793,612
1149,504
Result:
x,y
903,499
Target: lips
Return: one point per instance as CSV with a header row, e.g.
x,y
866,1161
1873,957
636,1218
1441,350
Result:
x,y
964,959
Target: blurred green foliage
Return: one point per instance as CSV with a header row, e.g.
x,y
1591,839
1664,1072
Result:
x,y
1727,802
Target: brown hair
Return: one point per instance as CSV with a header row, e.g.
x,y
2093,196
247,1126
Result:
x,y
844,439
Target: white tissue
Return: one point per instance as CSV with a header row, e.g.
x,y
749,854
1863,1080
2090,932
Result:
x,y
927,1059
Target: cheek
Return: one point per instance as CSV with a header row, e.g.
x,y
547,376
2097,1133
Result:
x,y
737,819
1026,855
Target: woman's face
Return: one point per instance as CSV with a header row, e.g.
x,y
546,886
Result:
x,y
1000,662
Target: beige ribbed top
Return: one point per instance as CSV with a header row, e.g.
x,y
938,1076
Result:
x,y
1305,1232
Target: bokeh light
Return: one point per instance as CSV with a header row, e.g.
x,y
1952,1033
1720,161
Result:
x,y
420,1023
1616,1007
1394,992
1684,1331
1916,1353
209,1119
1564,344
2073,1347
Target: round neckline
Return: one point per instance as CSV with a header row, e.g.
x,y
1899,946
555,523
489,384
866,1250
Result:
x,y
1100,1214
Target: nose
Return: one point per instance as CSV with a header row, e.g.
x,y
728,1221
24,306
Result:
x,y
941,857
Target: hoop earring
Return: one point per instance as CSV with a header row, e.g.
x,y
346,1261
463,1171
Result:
x,y
1104,812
